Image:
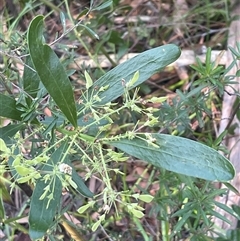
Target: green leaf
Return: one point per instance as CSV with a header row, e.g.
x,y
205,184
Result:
x,y
226,209
8,132
81,187
220,216
181,222
231,188
88,78
2,209
147,63
146,198
84,208
51,71
236,209
4,194
42,212
96,225
238,73
179,155
137,213
103,5
133,80
90,31
63,21
30,80
3,147
40,217
9,108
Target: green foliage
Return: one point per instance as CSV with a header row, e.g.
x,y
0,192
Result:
x,y
51,71
191,159
81,132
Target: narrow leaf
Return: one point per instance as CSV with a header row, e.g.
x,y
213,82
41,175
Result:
x,y
81,186
2,209
226,209
42,212
104,5
90,31
181,222
231,188
147,63
220,216
63,21
51,71
40,217
179,155
133,80
142,66
88,78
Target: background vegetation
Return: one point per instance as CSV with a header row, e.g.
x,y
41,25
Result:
x,y
178,100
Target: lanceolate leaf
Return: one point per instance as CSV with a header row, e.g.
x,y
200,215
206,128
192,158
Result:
x,y
81,187
40,217
51,71
42,212
147,63
179,155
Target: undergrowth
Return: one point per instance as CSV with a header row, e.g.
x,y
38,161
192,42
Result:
x,y
97,157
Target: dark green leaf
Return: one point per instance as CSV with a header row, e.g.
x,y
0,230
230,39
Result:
x,y
179,155
81,187
147,63
30,80
181,222
51,71
40,217
7,132
9,108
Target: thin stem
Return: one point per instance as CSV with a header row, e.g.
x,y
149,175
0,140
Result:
x,y
107,179
69,147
